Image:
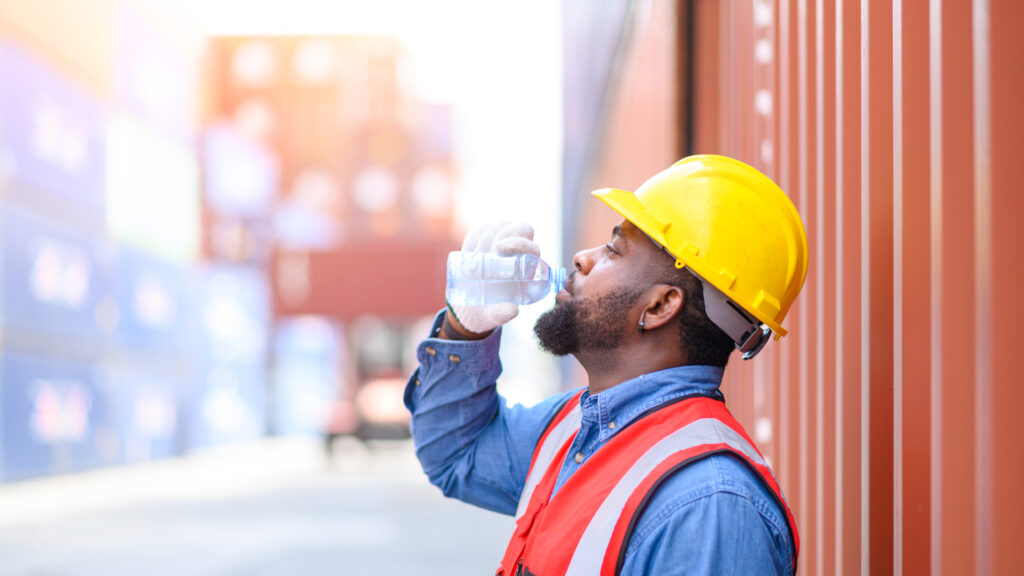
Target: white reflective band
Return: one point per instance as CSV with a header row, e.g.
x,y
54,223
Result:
x,y
590,550
558,436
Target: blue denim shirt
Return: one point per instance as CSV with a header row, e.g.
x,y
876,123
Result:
x,y
713,516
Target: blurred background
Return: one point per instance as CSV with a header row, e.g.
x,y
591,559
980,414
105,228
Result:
x,y
223,226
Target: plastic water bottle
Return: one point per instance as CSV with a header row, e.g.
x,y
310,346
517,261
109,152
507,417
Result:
x,y
477,278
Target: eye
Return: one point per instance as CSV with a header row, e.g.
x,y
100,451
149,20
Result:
x,y
611,248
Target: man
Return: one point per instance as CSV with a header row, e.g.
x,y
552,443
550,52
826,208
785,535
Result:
x,y
644,471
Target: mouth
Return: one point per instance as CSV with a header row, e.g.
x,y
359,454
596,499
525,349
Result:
x,y
565,293
562,296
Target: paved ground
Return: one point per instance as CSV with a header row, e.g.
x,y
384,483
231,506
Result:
x,y
272,508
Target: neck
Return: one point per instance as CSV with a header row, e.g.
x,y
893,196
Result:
x,y
608,368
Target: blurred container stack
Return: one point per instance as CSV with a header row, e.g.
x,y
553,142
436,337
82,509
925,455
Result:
x,y
358,222
99,205
205,241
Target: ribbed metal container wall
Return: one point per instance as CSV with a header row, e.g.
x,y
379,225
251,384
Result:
x,y
891,412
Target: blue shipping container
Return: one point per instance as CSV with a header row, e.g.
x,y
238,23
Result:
x,y
51,134
54,419
56,280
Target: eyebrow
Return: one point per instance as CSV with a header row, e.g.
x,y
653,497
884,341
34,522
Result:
x,y
617,231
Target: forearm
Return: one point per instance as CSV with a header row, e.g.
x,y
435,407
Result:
x,y
470,444
455,412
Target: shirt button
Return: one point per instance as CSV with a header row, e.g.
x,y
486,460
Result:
x,y
578,458
417,381
455,359
611,425
430,351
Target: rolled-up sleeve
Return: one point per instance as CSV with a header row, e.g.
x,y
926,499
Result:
x,y
469,442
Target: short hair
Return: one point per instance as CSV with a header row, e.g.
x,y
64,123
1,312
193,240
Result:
x,y
702,341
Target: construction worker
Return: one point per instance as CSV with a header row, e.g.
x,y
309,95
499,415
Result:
x,y
644,471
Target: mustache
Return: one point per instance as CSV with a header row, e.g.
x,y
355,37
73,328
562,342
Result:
x,y
570,282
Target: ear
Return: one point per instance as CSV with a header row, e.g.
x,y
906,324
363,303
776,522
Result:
x,y
665,303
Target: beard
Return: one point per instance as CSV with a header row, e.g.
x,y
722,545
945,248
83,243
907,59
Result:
x,y
587,326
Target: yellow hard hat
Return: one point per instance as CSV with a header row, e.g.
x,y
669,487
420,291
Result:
x,y
729,224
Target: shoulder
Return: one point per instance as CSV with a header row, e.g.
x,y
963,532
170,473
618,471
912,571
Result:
x,y
723,501
719,478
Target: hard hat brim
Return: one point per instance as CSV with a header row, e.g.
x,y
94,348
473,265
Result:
x,y
631,208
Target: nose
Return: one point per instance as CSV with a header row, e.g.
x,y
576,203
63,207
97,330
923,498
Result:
x,y
584,260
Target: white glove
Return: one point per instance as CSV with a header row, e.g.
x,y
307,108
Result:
x,y
501,238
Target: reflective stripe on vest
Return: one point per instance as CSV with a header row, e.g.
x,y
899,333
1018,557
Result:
x,y
561,430
585,527
590,551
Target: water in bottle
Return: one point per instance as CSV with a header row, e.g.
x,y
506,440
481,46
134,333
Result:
x,y
477,278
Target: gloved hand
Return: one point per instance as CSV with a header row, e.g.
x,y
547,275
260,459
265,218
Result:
x,y
501,238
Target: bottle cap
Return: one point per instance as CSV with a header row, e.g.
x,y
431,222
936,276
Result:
x,y
558,275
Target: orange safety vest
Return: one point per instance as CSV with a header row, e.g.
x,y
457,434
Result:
x,y
584,529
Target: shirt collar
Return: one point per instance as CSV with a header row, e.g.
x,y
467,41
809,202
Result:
x,y
616,407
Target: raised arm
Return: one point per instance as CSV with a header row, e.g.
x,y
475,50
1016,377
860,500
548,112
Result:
x,y
469,442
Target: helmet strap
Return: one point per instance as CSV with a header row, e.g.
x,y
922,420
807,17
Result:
x,y
746,332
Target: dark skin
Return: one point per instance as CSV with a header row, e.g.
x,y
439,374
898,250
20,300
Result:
x,y
630,259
